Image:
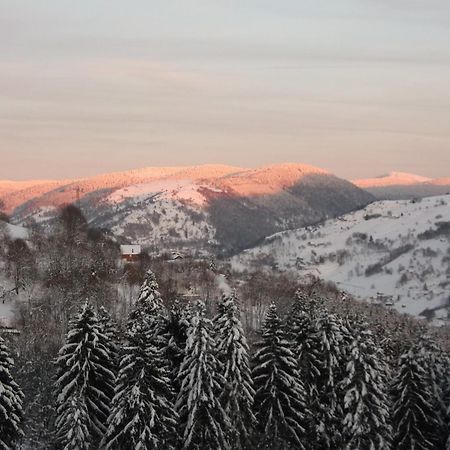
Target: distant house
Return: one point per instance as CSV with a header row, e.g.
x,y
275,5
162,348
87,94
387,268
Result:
x,y
386,299
130,253
177,255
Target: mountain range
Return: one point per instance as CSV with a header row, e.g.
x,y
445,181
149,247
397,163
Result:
x,y
291,217
400,185
224,207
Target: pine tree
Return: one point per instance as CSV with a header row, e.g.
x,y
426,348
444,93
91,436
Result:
x,y
445,399
437,370
142,414
149,306
365,398
204,423
176,327
280,399
109,328
232,351
416,420
85,383
328,346
317,339
302,333
11,398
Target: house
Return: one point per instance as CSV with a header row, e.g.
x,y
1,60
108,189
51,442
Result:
x,y
130,253
177,255
388,300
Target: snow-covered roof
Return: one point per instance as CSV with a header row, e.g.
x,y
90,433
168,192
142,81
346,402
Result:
x,y
130,249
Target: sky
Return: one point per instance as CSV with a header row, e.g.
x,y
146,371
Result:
x,y
358,87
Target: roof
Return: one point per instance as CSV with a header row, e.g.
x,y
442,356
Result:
x,y
130,249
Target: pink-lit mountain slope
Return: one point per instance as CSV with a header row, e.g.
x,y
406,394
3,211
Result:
x,y
219,206
399,185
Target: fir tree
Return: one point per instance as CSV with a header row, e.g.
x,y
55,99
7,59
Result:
x,y
445,399
11,398
85,383
232,351
438,371
109,328
302,333
318,339
280,399
204,423
365,398
416,420
327,344
142,414
176,327
149,305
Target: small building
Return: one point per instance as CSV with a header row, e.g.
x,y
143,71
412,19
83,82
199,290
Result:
x,y
387,300
130,253
177,255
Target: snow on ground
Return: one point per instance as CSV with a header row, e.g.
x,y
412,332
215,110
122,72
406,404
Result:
x,y
186,190
16,232
377,253
7,298
6,313
7,301
223,285
162,212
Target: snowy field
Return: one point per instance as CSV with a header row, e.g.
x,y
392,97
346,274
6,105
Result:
x,y
395,252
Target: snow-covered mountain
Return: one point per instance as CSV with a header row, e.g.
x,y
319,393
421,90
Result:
x,y
400,185
222,206
394,252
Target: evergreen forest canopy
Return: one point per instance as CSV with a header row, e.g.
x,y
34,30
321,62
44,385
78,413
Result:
x,y
268,364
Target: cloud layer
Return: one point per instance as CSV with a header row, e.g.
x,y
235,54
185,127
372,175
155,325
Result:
x,y
358,87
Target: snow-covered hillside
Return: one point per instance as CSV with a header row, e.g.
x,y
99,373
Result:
x,y
159,214
194,207
394,252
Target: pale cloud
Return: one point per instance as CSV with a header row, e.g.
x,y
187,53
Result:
x,y
359,87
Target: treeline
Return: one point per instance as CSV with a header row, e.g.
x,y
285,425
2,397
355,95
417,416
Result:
x,y
176,378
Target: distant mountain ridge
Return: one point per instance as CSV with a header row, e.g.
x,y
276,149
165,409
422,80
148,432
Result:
x,y
214,206
403,186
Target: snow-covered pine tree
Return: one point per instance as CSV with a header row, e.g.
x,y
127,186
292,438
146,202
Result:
x,y
445,399
142,414
306,305
233,353
204,423
176,326
302,333
438,371
85,384
416,421
109,328
11,398
317,338
280,399
149,305
365,397
328,346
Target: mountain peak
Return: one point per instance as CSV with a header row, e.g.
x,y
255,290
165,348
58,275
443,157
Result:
x,y
391,179
267,180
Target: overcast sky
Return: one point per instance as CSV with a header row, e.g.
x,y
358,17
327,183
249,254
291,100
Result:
x,y
359,87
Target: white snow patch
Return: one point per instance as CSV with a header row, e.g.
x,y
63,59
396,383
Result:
x,y
186,190
342,249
